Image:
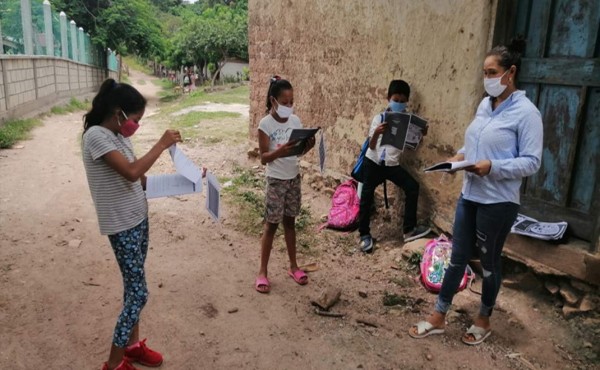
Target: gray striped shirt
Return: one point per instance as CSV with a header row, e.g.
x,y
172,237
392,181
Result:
x,y
120,204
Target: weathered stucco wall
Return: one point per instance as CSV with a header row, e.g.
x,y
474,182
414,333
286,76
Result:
x,y
341,55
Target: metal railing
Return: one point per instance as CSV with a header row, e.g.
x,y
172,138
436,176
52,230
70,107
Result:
x,y
32,27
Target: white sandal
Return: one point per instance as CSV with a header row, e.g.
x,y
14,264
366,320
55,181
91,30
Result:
x,y
425,329
480,334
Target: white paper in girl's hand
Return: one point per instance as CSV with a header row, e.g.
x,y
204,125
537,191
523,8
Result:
x,y
158,186
184,165
213,196
187,180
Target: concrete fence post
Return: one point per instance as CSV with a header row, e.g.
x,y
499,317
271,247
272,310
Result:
x,y
48,28
74,39
5,79
1,40
80,37
27,26
64,39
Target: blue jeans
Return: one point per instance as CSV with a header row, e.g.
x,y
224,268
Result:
x,y
130,247
479,229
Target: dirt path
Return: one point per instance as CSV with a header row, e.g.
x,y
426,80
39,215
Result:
x,y
61,288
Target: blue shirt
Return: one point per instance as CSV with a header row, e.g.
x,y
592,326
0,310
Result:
x,y
511,136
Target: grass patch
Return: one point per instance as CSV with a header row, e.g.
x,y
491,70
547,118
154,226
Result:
x,y
166,84
137,64
246,194
16,130
168,96
237,95
224,126
73,106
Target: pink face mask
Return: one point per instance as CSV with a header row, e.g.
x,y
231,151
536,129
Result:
x,y
129,127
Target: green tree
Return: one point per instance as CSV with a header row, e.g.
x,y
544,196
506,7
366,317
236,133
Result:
x,y
216,34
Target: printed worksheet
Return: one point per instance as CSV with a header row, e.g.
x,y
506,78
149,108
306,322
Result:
x,y
187,180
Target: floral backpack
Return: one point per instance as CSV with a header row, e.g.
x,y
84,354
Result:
x,y
345,206
435,261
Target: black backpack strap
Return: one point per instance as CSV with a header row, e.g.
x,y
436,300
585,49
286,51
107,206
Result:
x,y
385,197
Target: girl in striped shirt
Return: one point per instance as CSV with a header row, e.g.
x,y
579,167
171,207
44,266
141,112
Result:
x,y
117,181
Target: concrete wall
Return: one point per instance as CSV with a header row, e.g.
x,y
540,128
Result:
x,y
341,55
29,84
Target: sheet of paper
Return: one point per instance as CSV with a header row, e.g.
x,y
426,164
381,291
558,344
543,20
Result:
x,y
397,130
213,196
184,165
413,136
322,153
158,186
525,225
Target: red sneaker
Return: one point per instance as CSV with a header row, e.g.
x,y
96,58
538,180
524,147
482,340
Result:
x,y
139,352
124,365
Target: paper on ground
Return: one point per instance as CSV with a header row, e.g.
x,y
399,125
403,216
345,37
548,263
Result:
x,y
171,184
525,225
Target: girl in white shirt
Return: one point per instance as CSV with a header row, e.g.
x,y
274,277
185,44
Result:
x,y
283,192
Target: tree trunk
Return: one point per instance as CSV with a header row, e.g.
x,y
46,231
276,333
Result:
x,y
214,77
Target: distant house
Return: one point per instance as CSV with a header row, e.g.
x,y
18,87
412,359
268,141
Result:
x,y
234,68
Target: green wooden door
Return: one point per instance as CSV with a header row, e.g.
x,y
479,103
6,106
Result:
x,y
561,75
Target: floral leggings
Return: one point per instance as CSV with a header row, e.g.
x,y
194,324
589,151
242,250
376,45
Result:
x,y
130,247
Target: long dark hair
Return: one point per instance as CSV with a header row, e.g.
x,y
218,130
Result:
x,y
510,55
113,95
276,86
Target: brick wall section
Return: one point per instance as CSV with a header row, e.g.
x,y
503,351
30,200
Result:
x,y
20,81
340,57
46,83
62,75
28,84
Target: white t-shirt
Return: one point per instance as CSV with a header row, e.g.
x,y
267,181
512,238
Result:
x,y
392,154
279,133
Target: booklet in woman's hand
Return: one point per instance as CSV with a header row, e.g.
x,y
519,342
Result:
x,y
449,166
301,135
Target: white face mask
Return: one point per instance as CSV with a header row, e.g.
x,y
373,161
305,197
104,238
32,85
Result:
x,y
493,86
283,111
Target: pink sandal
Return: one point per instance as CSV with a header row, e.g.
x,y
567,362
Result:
x,y
299,276
262,285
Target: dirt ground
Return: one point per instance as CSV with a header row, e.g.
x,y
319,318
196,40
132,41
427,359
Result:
x,y
61,289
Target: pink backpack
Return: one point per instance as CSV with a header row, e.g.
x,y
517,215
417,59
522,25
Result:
x,y
345,205
434,263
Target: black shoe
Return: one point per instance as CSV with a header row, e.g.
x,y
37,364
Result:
x,y
416,233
